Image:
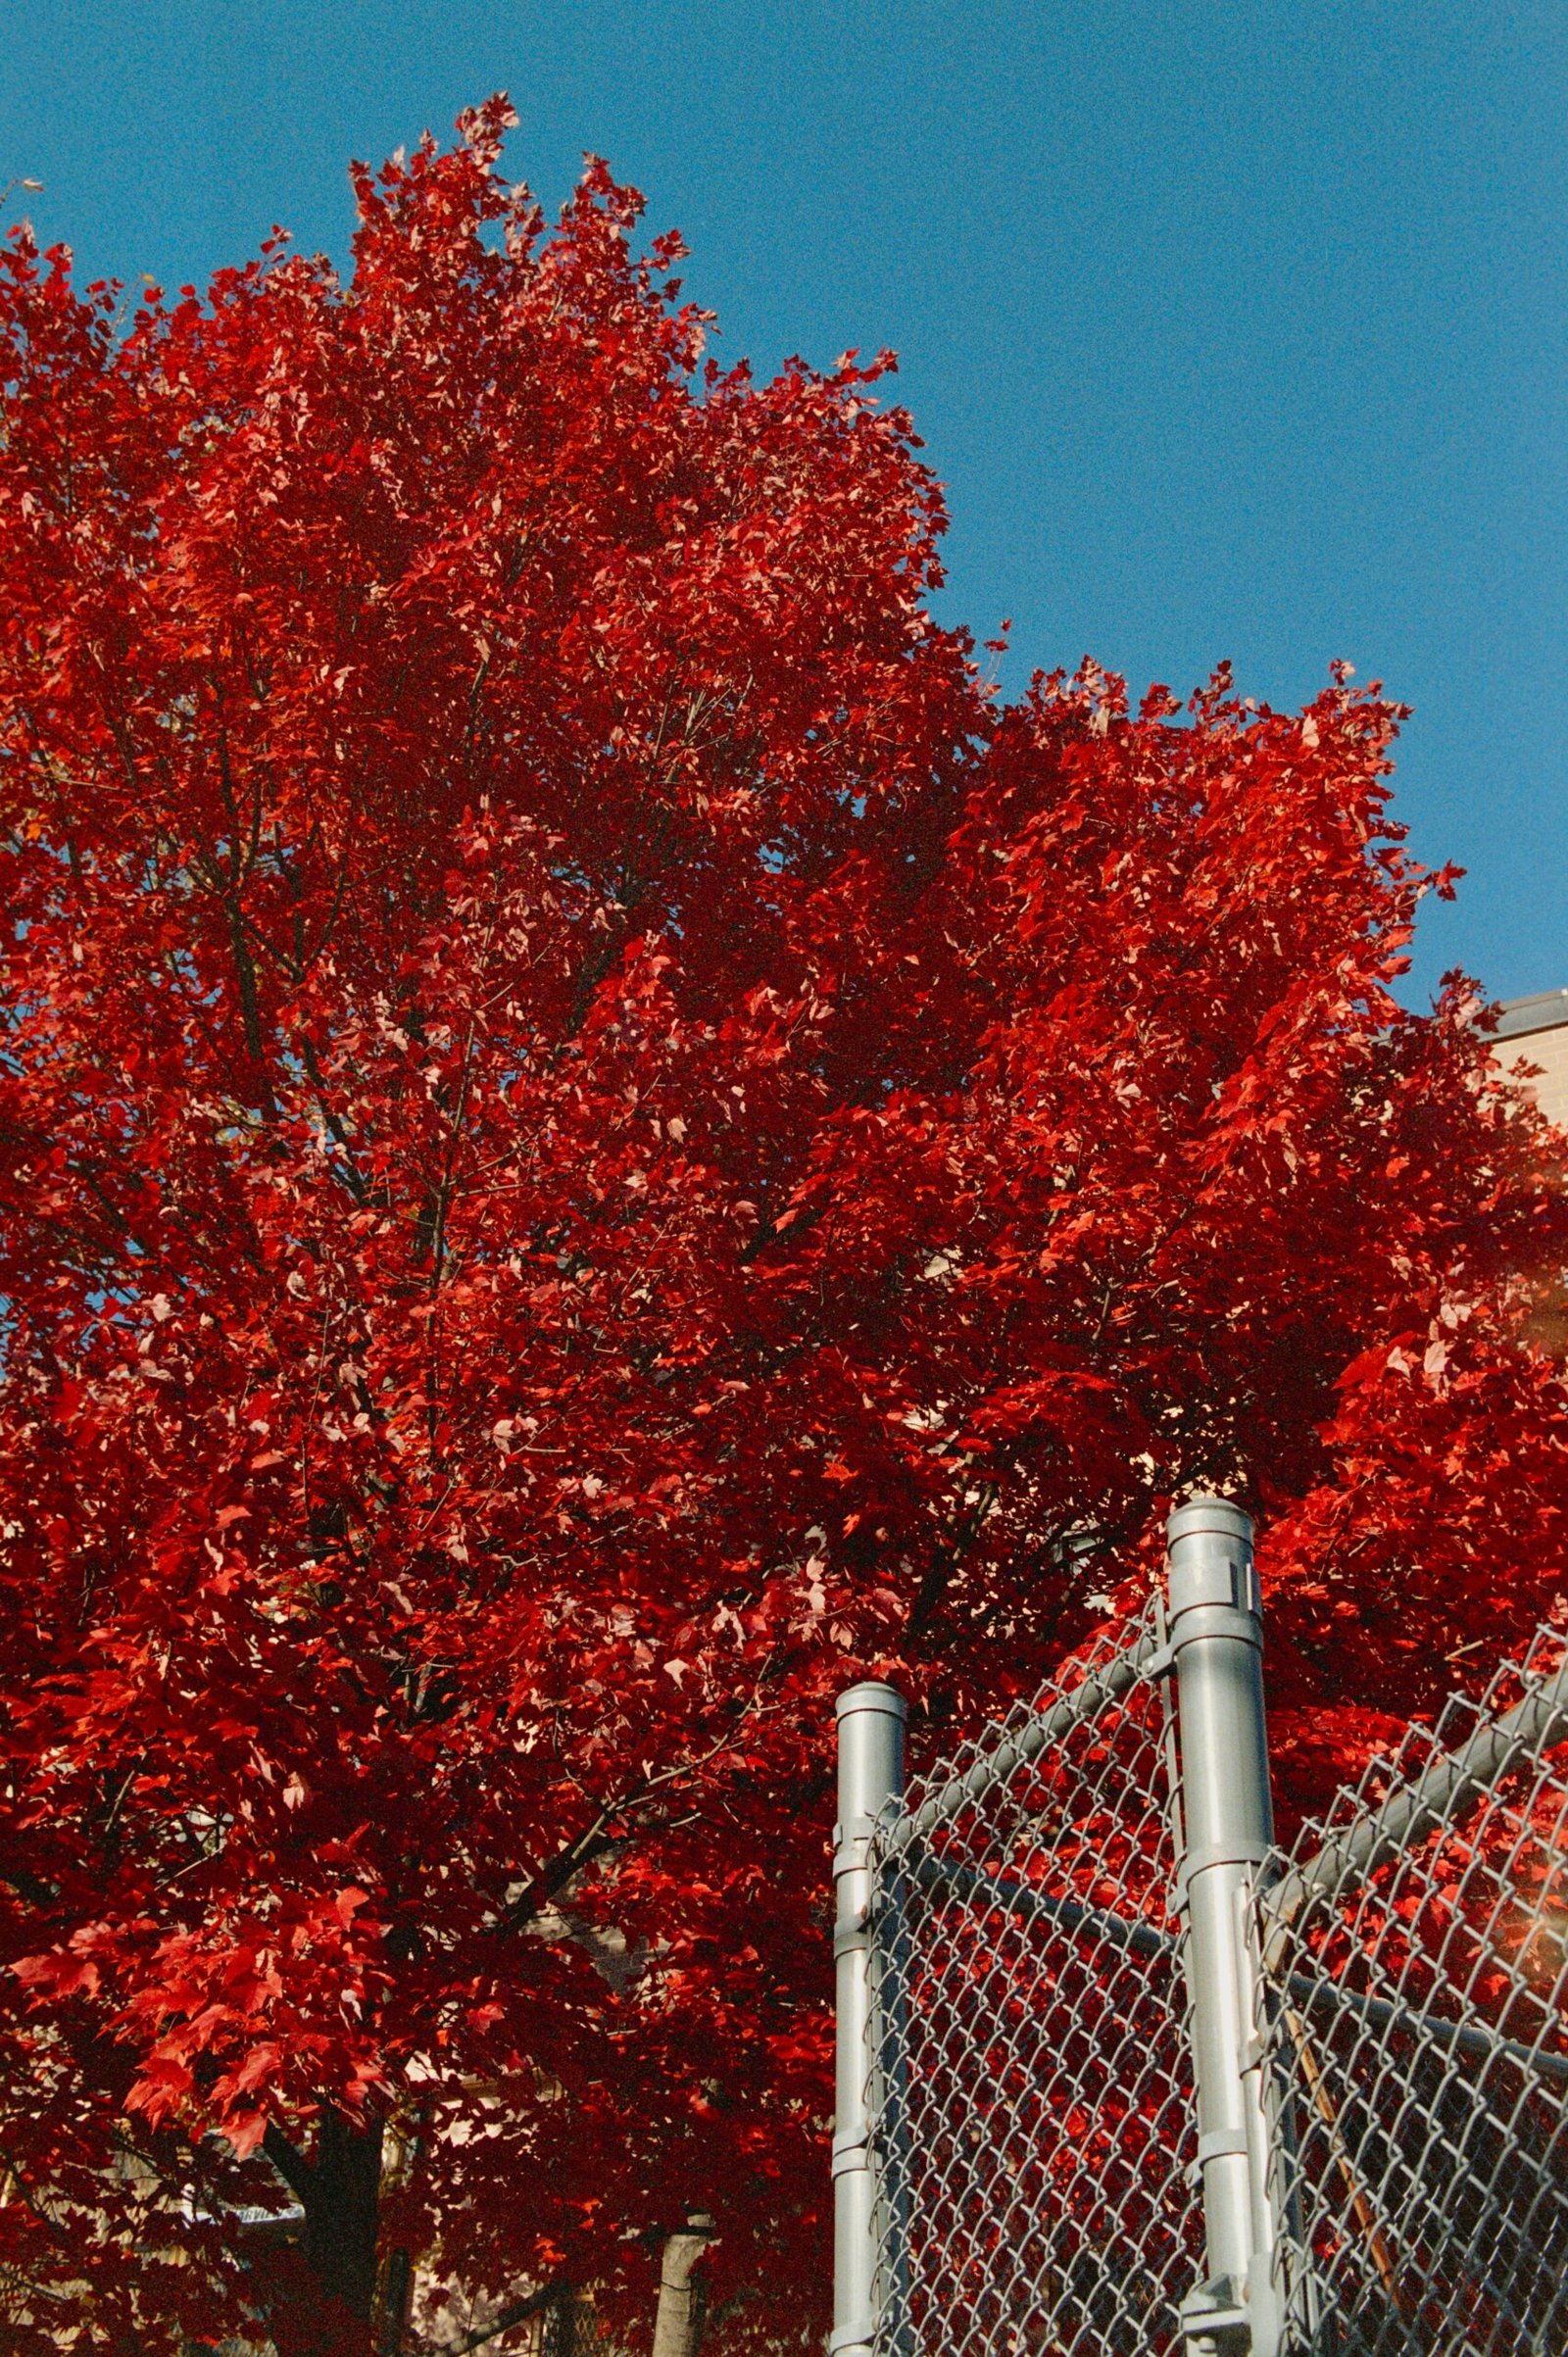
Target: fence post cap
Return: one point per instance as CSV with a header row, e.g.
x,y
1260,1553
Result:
x,y
1207,1513
871,1694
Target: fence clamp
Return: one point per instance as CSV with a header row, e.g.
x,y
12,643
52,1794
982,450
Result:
x,y
1215,2321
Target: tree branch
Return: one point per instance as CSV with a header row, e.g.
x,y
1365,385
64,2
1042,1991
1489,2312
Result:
x,y
289,2162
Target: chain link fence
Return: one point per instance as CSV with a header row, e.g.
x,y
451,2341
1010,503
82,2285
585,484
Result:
x,y
1029,2042
1415,1949
1116,2076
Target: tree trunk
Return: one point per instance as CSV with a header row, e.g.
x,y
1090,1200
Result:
x,y
343,2212
678,2325
326,2306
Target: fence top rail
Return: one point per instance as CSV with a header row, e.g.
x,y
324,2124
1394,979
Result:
x,y
1019,1740
1447,1788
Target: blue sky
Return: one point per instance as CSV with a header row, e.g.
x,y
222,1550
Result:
x,y
1234,330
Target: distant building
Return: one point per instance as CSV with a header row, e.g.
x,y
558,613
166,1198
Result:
x,y
1538,1029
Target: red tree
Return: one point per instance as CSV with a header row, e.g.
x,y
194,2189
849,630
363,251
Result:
x,y
594,1139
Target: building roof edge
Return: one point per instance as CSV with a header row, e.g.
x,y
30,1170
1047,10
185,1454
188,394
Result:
x,y
1543,1011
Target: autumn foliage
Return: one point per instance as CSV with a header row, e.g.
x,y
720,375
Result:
x,y
595,1137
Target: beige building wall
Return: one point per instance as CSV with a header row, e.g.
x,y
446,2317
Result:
x,y
1537,1030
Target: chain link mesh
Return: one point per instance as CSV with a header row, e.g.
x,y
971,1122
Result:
x,y
1416,1955
1030,2092
1030,2089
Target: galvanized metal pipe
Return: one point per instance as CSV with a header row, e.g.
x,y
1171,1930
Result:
x,y
1214,1615
870,1722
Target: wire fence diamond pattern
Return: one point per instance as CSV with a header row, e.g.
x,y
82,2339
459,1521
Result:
x,y
1116,2079
1032,2117
1415,1950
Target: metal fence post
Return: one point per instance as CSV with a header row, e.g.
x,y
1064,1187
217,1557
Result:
x,y
1216,1642
871,1721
